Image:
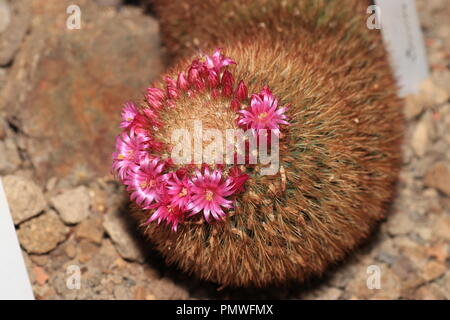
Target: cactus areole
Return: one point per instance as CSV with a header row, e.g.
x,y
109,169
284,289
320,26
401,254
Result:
x,y
262,156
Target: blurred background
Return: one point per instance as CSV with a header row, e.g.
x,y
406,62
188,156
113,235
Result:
x,y
61,93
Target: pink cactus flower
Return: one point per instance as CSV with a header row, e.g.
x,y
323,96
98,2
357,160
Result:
x,y
146,183
182,82
155,97
130,150
263,113
227,83
168,212
208,194
179,190
172,90
129,112
238,178
218,61
241,91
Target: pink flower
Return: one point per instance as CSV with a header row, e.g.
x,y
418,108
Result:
x,y
168,212
241,91
263,113
130,149
179,190
171,85
146,183
129,112
218,61
212,79
143,123
182,82
155,97
238,178
208,194
227,83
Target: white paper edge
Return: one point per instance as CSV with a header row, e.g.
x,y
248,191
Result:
x,y
14,281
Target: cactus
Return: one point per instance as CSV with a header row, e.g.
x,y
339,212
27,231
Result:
x,y
310,72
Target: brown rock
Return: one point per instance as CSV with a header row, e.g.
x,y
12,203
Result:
x,y
122,293
90,229
399,224
41,275
432,93
441,227
42,234
12,33
25,198
430,292
10,159
446,284
40,260
438,251
413,107
438,177
86,251
422,135
72,205
5,15
78,80
140,293
123,236
166,289
433,270
71,251
328,293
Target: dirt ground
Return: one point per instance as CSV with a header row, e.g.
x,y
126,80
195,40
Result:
x,y
60,92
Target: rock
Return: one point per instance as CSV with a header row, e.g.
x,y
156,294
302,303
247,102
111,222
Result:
x,y
41,275
439,251
10,159
71,251
421,136
79,79
445,283
329,293
400,223
86,251
413,107
140,293
42,234
433,270
433,94
109,3
12,31
416,253
122,293
40,260
438,177
90,229
25,198
166,289
390,286
3,76
5,15
430,292
123,236
72,205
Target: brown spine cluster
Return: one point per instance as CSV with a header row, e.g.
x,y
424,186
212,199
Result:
x,y
339,160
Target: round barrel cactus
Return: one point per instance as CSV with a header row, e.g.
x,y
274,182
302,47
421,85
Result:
x,y
270,148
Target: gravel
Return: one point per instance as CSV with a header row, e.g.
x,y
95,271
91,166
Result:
x,y
93,230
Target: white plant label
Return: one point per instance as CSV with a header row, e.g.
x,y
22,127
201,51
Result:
x,y
14,281
403,38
